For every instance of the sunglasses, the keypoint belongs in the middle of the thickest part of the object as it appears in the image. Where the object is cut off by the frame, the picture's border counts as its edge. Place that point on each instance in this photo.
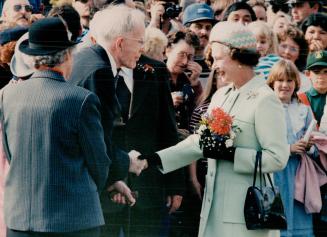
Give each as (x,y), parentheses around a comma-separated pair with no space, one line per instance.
(82,1)
(19,7)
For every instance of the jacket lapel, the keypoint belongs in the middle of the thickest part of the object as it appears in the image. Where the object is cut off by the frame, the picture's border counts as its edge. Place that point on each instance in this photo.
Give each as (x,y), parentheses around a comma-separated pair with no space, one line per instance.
(140,90)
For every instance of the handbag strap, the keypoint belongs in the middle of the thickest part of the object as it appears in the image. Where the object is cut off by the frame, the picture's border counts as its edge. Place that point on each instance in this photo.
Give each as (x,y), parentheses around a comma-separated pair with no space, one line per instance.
(271,183)
(257,163)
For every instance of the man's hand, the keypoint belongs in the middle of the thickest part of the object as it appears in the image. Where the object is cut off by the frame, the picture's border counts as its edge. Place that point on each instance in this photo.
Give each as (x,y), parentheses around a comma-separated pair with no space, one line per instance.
(174,202)
(36,17)
(196,188)
(120,193)
(135,165)
(196,70)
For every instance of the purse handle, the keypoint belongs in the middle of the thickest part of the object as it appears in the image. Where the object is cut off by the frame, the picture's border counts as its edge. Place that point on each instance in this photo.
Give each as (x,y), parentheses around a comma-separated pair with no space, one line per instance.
(258,162)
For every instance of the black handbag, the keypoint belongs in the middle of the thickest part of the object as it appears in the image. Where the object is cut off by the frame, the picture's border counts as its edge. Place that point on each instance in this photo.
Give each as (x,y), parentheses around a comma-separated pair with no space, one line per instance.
(263,208)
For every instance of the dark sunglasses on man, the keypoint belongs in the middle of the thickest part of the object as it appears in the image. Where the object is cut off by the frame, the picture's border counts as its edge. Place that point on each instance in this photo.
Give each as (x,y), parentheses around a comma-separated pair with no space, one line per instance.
(82,1)
(19,7)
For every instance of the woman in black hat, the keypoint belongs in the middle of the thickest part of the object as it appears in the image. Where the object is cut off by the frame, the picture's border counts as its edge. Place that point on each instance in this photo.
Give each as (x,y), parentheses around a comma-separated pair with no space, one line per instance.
(53,142)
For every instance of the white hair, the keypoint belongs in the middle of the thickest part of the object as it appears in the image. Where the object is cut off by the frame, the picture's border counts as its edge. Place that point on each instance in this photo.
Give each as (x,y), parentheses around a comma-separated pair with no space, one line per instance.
(115,21)
(10,3)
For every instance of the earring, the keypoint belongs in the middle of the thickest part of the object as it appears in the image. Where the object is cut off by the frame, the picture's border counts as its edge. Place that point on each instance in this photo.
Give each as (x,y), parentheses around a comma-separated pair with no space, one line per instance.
(240,66)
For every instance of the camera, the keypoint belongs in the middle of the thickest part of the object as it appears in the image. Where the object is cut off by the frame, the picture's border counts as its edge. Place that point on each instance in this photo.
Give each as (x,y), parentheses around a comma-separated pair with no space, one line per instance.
(280,5)
(171,10)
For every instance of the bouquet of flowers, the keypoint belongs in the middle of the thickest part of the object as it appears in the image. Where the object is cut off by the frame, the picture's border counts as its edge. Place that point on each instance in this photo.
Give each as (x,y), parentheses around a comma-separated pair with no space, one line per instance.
(217,133)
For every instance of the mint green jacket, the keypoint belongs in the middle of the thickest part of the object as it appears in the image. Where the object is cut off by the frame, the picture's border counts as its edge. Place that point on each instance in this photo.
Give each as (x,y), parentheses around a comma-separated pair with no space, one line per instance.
(260,116)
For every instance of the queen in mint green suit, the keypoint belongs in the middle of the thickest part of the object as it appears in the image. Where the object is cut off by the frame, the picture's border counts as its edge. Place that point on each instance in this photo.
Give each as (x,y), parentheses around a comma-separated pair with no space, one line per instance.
(259,114)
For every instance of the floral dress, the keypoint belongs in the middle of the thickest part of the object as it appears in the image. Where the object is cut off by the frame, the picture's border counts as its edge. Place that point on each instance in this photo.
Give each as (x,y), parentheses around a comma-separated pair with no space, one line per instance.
(299,223)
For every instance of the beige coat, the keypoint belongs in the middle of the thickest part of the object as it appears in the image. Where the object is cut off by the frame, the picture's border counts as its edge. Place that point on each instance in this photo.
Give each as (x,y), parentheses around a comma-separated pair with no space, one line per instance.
(260,115)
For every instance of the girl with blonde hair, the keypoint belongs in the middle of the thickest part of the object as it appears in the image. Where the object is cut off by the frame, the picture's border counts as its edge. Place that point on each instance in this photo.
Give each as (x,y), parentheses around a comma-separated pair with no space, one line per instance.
(266,39)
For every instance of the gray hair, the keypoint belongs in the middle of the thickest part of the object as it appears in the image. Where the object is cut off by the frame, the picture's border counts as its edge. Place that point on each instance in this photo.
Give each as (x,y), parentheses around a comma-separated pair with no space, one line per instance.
(49,60)
(115,21)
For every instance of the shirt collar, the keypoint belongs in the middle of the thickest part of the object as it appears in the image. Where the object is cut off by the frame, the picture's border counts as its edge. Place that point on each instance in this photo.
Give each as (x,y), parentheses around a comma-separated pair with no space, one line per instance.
(127,74)
(313,92)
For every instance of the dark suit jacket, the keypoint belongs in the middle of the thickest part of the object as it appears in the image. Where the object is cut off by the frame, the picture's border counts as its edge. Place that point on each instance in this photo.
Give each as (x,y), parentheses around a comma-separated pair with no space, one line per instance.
(58,162)
(151,127)
(92,70)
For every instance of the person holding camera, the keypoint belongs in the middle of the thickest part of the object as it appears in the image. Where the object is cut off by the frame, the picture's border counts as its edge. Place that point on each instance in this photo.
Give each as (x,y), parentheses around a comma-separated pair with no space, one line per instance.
(164,15)
(199,18)
(180,62)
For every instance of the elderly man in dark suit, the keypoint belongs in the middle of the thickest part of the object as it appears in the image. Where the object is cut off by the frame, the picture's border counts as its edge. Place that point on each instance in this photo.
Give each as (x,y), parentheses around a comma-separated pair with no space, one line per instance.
(54,142)
(119,31)
(141,102)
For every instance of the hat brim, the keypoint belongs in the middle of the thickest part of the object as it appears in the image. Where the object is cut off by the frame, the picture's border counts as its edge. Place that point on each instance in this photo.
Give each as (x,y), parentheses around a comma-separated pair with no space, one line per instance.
(40,51)
(213,21)
(317,64)
(18,67)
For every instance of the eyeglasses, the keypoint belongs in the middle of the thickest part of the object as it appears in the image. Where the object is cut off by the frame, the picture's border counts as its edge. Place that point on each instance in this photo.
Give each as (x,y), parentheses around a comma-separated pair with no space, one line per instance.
(140,41)
(183,55)
(19,7)
(291,48)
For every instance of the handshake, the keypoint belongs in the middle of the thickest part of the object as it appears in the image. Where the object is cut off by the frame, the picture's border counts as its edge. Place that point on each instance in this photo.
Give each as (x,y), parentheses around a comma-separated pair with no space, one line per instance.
(136,165)
(119,192)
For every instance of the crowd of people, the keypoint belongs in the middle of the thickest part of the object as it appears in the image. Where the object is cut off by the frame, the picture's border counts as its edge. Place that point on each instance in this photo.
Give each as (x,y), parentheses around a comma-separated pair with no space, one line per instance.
(101,103)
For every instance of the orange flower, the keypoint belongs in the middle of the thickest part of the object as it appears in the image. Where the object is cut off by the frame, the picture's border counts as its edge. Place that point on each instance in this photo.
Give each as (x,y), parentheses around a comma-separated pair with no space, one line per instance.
(220,122)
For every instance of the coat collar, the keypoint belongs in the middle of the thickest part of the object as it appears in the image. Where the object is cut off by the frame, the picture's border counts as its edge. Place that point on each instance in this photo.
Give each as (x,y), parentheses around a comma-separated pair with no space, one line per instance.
(48,74)
(102,53)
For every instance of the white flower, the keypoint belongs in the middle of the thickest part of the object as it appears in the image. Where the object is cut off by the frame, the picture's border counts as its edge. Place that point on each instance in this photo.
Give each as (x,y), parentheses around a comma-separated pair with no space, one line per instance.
(232,134)
(201,129)
(252,94)
(229,143)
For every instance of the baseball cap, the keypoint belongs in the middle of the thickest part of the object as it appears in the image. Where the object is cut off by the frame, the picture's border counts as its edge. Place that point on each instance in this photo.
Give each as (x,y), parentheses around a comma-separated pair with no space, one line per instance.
(198,12)
(317,59)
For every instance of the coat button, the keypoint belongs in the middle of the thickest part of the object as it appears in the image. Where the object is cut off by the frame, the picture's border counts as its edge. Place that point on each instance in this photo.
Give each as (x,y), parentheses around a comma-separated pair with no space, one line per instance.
(209,200)
(211,174)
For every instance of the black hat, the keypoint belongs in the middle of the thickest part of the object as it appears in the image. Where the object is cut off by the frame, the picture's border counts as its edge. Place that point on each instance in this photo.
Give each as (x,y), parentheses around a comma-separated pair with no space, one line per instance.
(315,19)
(12,34)
(47,36)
